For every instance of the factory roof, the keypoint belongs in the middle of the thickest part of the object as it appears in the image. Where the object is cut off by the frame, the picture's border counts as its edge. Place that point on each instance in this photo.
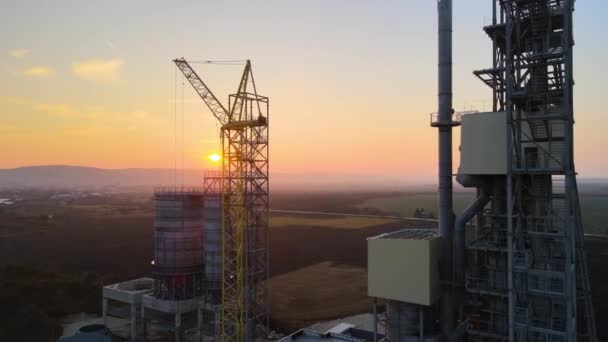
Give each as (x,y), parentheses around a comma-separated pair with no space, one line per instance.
(306,335)
(178,190)
(409,233)
(135,285)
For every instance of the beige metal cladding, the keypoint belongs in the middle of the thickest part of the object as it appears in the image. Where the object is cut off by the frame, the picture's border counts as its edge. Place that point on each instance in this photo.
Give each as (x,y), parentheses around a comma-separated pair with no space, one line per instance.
(403,269)
(483,144)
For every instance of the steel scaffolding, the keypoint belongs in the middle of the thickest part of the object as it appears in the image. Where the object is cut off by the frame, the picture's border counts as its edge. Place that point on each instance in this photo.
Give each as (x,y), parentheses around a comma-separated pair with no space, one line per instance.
(526,271)
(245,218)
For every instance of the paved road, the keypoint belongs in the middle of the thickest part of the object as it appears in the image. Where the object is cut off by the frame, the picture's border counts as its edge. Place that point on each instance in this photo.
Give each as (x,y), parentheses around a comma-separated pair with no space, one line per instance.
(345,214)
(375,216)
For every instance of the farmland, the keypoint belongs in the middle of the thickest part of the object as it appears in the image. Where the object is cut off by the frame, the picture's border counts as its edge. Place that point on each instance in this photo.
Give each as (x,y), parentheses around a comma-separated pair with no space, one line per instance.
(339,291)
(594,205)
(337,222)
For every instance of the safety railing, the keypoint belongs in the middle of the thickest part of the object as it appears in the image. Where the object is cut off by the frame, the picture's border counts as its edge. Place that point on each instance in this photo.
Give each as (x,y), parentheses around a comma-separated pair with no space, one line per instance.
(454,120)
(178,190)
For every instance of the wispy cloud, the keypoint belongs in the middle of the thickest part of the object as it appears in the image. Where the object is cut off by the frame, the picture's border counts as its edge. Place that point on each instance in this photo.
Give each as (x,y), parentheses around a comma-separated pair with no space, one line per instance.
(39,71)
(86,113)
(179,101)
(18,53)
(101,70)
(15,100)
(56,109)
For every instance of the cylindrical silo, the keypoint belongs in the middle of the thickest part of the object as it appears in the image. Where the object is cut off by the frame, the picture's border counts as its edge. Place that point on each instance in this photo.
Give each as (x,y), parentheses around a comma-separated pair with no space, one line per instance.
(212,244)
(178,234)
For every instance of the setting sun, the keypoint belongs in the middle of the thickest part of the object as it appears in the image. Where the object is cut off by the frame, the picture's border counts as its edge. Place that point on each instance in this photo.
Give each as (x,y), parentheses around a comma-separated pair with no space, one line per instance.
(214,157)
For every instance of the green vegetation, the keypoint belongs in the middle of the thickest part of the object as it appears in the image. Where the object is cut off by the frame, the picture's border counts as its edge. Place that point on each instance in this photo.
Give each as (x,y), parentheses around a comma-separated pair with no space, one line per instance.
(32,302)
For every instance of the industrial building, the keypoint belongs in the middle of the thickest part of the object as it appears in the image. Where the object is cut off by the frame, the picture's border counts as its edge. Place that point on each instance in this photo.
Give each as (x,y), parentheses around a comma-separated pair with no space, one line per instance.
(408,295)
(512,266)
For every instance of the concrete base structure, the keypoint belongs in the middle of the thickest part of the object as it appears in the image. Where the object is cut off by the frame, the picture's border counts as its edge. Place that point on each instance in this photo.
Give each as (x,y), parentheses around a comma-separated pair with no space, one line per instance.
(176,316)
(209,322)
(123,300)
(133,303)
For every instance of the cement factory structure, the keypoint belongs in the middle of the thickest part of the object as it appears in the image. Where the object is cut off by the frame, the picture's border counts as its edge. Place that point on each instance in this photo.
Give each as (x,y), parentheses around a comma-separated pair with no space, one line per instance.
(510,267)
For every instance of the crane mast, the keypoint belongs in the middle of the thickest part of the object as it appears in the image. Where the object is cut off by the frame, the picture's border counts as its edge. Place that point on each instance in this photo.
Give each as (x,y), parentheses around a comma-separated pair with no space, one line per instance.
(244,188)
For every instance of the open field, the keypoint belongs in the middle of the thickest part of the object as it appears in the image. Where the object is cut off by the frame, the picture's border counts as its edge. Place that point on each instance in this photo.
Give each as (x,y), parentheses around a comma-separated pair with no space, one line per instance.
(406,204)
(339,291)
(594,206)
(283,220)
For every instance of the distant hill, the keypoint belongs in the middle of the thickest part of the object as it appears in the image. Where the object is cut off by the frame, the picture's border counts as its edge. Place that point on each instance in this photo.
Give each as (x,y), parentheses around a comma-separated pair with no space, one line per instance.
(79,176)
(64,176)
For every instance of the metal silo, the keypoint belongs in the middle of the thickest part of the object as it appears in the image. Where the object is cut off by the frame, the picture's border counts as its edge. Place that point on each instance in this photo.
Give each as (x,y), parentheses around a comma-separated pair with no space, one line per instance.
(212,244)
(178,261)
(212,229)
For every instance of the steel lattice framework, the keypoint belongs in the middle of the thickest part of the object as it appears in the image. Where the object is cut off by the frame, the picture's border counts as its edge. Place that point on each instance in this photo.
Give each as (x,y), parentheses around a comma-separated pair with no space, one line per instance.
(245,219)
(244,189)
(526,274)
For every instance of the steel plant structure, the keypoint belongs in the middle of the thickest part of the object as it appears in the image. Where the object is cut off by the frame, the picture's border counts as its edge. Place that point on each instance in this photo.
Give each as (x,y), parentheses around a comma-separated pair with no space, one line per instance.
(524,264)
(244,190)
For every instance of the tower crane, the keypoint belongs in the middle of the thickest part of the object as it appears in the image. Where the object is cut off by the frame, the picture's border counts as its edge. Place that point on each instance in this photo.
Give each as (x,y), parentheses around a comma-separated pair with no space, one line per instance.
(244,188)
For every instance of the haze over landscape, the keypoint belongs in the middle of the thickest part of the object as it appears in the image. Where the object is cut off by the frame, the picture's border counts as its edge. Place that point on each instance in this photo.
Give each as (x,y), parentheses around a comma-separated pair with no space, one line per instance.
(61,176)
(77,91)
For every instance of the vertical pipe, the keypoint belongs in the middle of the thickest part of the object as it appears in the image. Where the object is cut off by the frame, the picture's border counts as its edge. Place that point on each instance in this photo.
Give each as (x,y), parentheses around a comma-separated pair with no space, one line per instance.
(375,319)
(178,327)
(509,152)
(421,323)
(446,215)
(568,162)
(200,324)
(105,311)
(133,322)
(143,323)
(267,288)
(494,58)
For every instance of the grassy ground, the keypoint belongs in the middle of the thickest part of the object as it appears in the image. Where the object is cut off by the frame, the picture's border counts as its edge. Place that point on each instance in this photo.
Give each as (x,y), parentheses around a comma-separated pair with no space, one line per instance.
(338,222)
(406,204)
(323,291)
(595,215)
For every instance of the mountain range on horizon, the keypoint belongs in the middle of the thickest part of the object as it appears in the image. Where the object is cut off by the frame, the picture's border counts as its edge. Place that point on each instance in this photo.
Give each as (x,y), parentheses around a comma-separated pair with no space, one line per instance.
(70,176)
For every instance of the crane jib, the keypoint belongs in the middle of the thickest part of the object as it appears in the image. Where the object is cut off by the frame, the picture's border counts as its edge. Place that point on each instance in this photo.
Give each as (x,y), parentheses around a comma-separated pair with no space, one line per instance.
(216,107)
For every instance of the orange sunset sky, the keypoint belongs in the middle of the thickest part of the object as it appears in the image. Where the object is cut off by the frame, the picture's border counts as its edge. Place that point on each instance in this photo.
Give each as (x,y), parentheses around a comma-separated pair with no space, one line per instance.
(351,83)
